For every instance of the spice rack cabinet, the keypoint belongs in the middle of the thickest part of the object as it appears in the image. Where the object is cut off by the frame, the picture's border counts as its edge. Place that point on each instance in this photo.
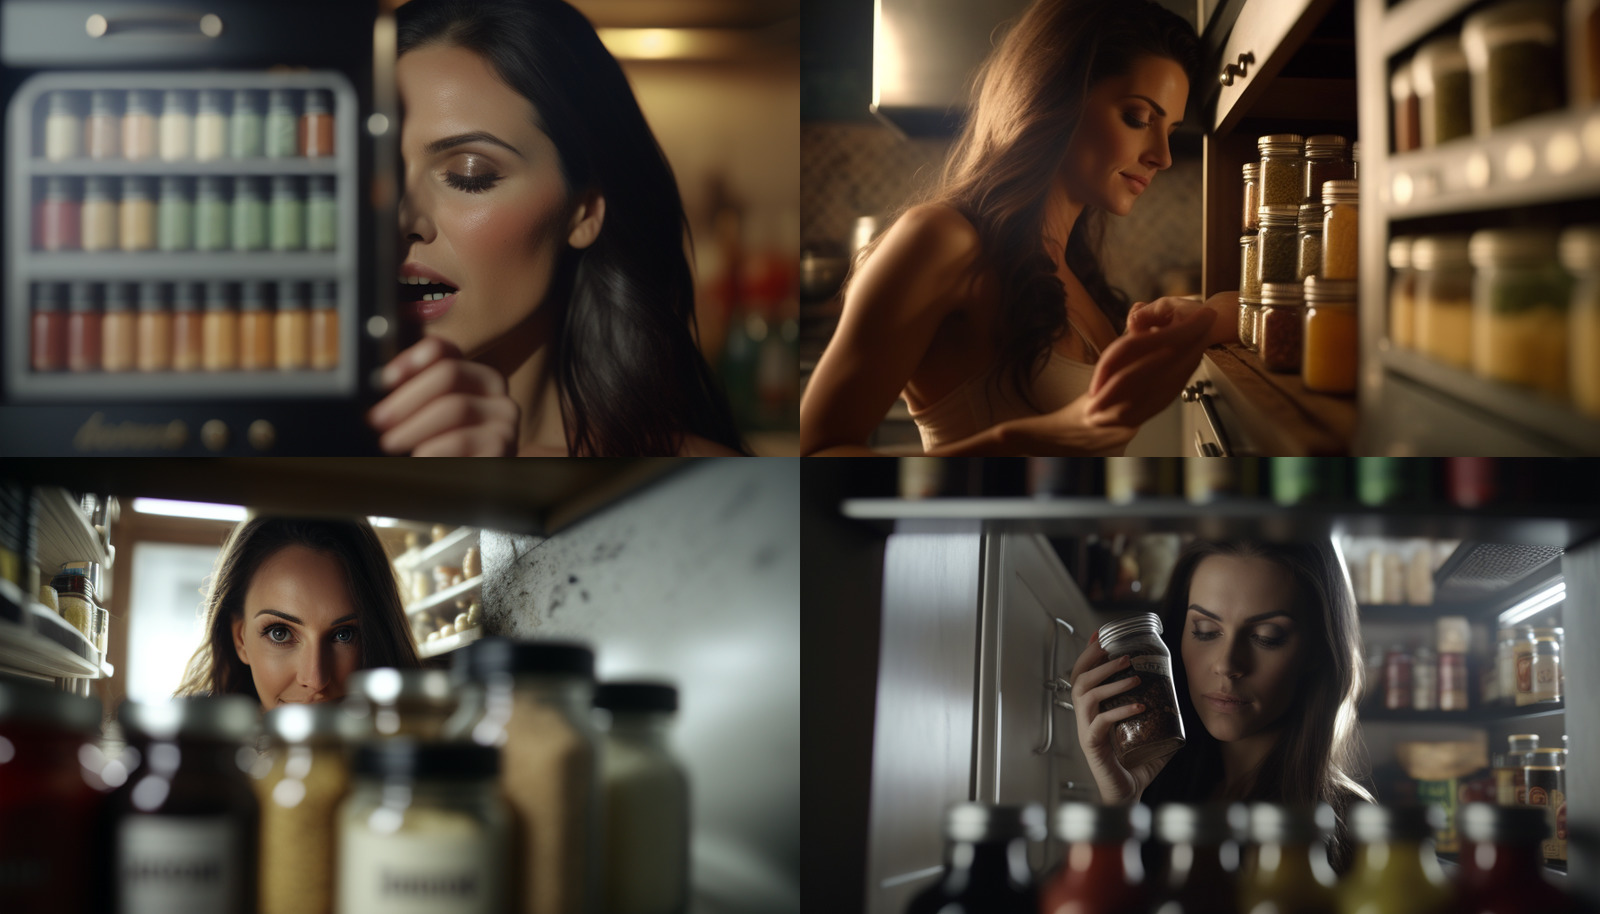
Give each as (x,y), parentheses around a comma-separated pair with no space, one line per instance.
(35,641)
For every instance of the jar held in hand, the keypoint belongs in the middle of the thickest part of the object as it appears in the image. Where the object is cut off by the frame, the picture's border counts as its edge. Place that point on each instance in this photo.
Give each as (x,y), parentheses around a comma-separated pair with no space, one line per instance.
(1157,731)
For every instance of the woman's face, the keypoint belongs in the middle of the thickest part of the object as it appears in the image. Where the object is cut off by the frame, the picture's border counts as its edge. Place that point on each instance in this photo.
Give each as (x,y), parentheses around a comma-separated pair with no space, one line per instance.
(485,212)
(300,635)
(1121,142)
(1242,644)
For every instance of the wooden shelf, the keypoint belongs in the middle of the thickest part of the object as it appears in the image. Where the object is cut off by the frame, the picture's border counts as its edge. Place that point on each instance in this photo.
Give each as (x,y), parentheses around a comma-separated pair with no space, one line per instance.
(1281,416)
(448,551)
(447,596)
(445,645)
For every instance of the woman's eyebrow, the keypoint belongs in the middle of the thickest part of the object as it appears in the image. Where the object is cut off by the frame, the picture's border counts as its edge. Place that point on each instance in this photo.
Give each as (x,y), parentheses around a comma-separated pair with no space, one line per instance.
(1195,607)
(461,139)
(284,615)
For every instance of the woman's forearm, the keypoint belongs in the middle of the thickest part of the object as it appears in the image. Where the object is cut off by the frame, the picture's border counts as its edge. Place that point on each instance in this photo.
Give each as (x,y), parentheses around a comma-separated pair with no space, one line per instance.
(1226,327)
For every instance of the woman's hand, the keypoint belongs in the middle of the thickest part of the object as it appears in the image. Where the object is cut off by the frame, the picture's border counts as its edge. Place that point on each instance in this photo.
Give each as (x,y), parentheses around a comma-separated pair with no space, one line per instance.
(1164,311)
(1140,373)
(1118,785)
(441,404)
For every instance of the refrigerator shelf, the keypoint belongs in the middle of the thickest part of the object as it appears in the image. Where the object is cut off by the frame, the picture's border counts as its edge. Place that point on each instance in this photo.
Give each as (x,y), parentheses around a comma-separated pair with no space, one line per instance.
(1471,716)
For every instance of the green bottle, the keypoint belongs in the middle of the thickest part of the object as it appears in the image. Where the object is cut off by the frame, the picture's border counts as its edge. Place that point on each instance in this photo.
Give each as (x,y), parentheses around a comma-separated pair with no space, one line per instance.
(1395,870)
(249,215)
(288,215)
(211,217)
(174,216)
(282,127)
(322,215)
(245,140)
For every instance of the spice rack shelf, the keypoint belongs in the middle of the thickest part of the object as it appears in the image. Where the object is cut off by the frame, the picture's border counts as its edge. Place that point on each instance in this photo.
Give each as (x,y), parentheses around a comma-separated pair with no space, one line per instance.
(65,535)
(453,642)
(1471,716)
(447,596)
(35,641)
(196,266)
(155,167)
(448,551)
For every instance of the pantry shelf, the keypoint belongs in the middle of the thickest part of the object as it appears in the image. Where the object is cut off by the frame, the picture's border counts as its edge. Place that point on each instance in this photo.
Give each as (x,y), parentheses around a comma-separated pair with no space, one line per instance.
(450,643)
(1558,427)
(1472,716)
(35,641)
(1275,411)
(65,535)
(447,596)
(448,551)
(185,168)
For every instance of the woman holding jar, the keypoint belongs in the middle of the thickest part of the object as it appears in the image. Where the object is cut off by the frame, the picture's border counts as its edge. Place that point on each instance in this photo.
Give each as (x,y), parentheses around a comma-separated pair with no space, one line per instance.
(1265,648)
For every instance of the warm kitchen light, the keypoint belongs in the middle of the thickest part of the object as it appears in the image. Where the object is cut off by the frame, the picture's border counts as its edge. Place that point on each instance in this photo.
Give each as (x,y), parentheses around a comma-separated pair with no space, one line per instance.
(674,44)
(1544,599)
(198,509)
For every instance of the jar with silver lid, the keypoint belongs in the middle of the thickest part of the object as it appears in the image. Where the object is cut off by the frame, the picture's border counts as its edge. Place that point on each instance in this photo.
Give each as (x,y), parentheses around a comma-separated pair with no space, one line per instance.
(1277,243)
(1520,298)
(1282,327)
(1249,321)
(1157,731)
(1249,265)
(1252,195)
(1283,169)
(1444,90)
(1327,159)
(1308,242)
(1514,50)
(412,703)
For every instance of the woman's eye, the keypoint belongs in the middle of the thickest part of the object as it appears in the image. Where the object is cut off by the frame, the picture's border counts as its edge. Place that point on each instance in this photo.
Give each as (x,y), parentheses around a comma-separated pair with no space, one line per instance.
(277,634)
(345,635)
(1204,635)
(472,184)
(1133,121)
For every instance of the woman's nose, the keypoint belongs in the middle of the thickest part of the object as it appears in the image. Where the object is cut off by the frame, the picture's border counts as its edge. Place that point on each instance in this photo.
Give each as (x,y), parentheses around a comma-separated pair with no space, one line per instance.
(1159,155)
(415,225)
(314,671)
(1232,663)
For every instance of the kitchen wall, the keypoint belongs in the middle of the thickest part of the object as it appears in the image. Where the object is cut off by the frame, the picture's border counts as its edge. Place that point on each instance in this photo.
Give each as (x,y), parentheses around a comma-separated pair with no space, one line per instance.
(695,579)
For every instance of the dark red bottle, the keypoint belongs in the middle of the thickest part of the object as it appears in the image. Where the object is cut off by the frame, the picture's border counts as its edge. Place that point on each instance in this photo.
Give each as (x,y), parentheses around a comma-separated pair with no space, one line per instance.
(1202,859)
(1502,867)
(986,862)
(1101,873)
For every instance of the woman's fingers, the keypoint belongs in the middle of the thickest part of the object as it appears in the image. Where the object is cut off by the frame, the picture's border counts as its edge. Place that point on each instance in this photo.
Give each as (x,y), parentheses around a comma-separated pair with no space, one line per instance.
(1181,333)
(1100,727)
(1139,381)
(439,377)
(1109,690)
(413,360)
(480,441)
(481,426)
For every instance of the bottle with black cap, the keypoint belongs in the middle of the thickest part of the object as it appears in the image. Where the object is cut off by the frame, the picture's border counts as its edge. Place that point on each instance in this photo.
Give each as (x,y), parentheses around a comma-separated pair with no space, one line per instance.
(48,799)
(1502,865)
(1395,866)
(185,824)
(423,830)
(1202,860)
(534,699)
(646,801)
(1287,867)
(390,702)
(1102,872)
(985,862)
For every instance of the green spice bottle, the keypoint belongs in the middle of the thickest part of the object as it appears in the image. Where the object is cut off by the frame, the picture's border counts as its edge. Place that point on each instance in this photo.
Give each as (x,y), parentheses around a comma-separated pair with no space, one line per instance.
(322,215)
(1276,243)
(245,128)
(1296,480)
(288,215)
(282,125)
(1288,869)
(1283,169)
(174,216)
(211,216)
(249,215)
(1308,246)
(1395,869)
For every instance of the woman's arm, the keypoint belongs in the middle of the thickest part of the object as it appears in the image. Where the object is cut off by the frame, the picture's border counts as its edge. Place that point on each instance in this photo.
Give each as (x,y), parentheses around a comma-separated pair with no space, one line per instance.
(1162,311)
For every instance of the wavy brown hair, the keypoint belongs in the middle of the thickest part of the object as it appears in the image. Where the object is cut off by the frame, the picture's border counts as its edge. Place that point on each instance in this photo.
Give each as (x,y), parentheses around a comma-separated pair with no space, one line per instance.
(1318,756)
(215,668)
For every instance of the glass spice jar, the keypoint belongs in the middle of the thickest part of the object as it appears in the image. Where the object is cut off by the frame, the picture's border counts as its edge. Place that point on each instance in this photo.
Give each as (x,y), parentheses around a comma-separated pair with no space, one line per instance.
(1546,668)
(1407,118)
(1398,688)
(1522,653)
(1444,90)
(1424,680)
(1514,52)
(1327,159)
(1332,346)
(1580,254)
(1281,331)
(1250,265)
(1102,872)
(1402,294)
(1157,731)
(402,703)
(1276,243)
(1519,747)
(1340,223)
(1249,321)
(1308,243)
(1444,298)
(305,776)
(1505,667)
(1519,309)
(1283,169)
(1583,51)
(1545,774)
(1252,195)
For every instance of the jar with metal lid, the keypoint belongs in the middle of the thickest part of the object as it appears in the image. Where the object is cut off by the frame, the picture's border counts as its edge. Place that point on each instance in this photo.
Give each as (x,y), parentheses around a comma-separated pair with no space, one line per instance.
(533,699)
(1520,298)
(1290,870)
(1519,747)
(1514,52)
(1444,298)
(185,825)
(1252,195)
(1327,159)
(1282,325)
(306,776)
(1102,874)
(1332,346)
(77,586)
(1157,731)
(50,797)
(410,703)
(1546,670)
(1580,254)
(1308,243)
(1547,787)
(986,861)
(1340,224)
(1522,652)
(1425,680)
(646,801)
(1503,869)
(1283,169)
(424,830)
(1398,689)
(1402,294)
(1407,118)
(1249,321)
(1444,90)
(1276,242)
(1249,265)
(1505,788)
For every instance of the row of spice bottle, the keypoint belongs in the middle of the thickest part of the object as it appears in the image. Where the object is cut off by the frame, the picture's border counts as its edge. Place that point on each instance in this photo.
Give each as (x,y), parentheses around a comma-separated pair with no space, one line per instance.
(210,213)
(1220,859)
(495,792)
(1294,170)
(255,325)
(1518,306)
(1524,669)
(1505,64)
(179,125)
(75,594)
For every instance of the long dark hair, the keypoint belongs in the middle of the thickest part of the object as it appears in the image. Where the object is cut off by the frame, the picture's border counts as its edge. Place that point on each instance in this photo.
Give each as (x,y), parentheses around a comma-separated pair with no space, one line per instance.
(215,668)
(1318,755)
(632,380)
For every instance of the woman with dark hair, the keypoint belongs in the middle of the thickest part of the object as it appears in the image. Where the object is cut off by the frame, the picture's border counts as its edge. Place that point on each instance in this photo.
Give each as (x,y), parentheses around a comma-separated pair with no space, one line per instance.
(544,248)
(985,306)
(295,606)
(1266,657)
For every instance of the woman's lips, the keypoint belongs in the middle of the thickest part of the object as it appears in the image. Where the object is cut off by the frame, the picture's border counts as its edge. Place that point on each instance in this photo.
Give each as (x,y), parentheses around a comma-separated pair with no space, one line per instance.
(432,310)
(1225,704)
(1137,185)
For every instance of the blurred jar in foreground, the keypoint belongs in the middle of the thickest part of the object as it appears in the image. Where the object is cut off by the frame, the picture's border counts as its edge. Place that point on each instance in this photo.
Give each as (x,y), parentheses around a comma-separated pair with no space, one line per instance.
(1203,861)
(1287,869)
(306,778)
(986,862)
(1502,869)
(1519,309)
(1395,867)
(1444,298)
(1102,873)
(646,797)
(409,703)
(1580,254)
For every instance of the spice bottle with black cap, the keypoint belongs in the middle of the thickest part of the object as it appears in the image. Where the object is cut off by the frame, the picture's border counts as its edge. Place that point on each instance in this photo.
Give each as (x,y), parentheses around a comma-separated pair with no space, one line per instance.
(985,862)
(411,703)
(1395,867)
(1288,869)
(424,831)
(533,699)
(1102,873)
(184,826)
(646,801)
(1202,859)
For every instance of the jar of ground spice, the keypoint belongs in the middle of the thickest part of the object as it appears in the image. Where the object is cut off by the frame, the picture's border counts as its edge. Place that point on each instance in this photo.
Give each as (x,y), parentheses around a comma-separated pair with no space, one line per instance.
(1283,169)
(1580,254)
(1407,118)
(1444,90)
(1282,325)
(1327,159)
(1514,52)
(406,703)
(1444,298)
(1519,312)
(1277,243)
(1402,294)
(1252,195)
(307,777)
(1308,242)
(1157,731)
(1332,346)
(1249,264)
(1340,222)
(1249,320)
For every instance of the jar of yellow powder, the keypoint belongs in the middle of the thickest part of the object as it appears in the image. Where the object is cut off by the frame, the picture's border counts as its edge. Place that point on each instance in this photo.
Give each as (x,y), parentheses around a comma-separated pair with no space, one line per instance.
(1331,344)
(1402,294)
(1444,298)
(1519,309)
(1340,219)
(307,776)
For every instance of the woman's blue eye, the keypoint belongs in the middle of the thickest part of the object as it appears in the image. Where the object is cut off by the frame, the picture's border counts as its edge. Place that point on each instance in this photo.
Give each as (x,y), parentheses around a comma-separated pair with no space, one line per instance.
(472,184)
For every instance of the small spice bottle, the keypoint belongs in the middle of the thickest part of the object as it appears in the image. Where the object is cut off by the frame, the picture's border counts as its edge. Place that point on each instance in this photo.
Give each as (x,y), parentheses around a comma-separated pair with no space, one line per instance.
(1202,863)
(1282,325)
(255,326)
(316,125)
(1514,52)
(63,131)
(292,327)
(1402,294)
(77,594)
(210,127)
(1424,680)
(1520,299)
(176,127)
(155,327)
(424,821)
(1283,169)
(249,215)
(245,127)
(1340,222)
(1444,298)
(1327,159)
(99,215)
(646,791)
(986,865)
(102,131)
(1398,687)
(1546,668)
(1505,790)
(1444,90)
(1276,243)
(1157,731)
(1522,655)
(1502,867)
(288,215)
(119,332)
(322,215)
(1308,242)
(324,326)
(212,217)
(139,131)
(83,328)
(1520,747)
(307,777)
(1249,321)
(49,326)
(188,318)
(1250,264)
(282,125)
(1547,787)
(221,327)
(1102,872)
(175,216)
(1252,195)
(1407,118)
(1580,254)
(58,217)
(1395,858)
(414,704)
(136,216)
(1332,344)
(1505,667)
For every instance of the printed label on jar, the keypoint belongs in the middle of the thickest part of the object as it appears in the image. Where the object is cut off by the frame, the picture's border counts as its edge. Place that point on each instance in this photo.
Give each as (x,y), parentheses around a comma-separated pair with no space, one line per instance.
(173,865)
(418,874)
(1525,673)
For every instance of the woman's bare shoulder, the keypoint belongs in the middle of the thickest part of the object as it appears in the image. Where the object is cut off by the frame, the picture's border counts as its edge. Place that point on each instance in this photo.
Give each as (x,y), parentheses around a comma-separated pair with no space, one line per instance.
(935,232)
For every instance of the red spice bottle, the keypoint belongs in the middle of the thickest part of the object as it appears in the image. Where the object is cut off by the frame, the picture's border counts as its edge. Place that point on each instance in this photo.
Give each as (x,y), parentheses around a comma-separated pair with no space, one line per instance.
(83,328)
(49,326)
(1502,866)
(57,218)
(1102,872)
(1203,857)
(316,125)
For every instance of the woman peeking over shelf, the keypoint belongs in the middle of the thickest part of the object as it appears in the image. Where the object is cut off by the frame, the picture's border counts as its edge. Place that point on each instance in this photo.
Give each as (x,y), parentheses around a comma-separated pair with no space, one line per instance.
(295,606)
(985,305)
(543,245)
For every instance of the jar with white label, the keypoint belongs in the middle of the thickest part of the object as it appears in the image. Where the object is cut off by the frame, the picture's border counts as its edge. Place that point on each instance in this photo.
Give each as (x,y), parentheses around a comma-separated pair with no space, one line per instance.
(185,823)
(411,703)
(424,831)
(1157,731)
(646,791)
(1546,666)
